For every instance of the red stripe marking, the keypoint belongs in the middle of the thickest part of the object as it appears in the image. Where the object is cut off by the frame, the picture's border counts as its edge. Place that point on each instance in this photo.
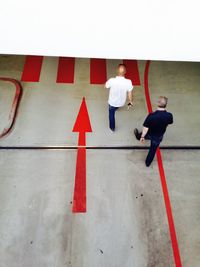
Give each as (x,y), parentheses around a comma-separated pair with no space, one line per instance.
(98,73)
(65,72)
(79,201)
(32,69)
(132,71)
(172,229)
(146,87)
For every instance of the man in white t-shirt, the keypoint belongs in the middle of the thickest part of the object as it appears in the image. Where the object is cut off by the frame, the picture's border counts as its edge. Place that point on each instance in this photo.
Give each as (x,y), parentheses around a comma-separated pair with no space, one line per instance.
(120,88)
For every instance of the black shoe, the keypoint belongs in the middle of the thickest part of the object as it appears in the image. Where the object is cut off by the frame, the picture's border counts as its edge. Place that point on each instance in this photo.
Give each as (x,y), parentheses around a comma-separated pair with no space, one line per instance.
(136,133)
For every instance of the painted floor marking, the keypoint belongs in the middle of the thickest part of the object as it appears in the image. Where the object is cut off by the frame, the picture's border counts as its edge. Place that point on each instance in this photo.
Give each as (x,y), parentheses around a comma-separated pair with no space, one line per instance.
(175,247)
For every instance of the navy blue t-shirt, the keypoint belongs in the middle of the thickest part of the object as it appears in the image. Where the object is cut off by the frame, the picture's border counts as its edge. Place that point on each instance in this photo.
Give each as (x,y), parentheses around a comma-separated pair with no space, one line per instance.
(157,122)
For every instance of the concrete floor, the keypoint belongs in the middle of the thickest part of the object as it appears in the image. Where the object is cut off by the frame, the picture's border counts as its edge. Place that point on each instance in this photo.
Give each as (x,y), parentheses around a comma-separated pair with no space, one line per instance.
(180,81)
(125,224)
(58,105)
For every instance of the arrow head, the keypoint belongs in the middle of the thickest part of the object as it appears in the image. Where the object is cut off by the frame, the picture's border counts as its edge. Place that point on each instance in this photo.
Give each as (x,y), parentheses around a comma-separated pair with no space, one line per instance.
(82,123)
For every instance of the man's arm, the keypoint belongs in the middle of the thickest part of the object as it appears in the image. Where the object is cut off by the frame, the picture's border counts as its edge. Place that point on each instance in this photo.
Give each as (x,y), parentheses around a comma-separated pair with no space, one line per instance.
(146,125)
(171,119)
(108,84)
(144,132)
(130,97)
(130,94)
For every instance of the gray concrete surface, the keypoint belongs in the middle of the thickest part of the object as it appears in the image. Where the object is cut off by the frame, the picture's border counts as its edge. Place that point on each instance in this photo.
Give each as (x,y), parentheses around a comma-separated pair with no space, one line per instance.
(183,178)
(126,223)
(7,94)
(180,82)
(48,110)
(11,66)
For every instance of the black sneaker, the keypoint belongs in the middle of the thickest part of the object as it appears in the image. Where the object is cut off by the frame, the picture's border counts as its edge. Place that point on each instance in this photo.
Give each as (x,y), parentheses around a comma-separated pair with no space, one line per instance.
(136,133)
(147,164)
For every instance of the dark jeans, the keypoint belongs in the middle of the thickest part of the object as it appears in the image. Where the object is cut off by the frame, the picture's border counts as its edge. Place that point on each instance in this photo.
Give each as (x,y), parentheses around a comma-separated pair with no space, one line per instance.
(112,117)
(155,142)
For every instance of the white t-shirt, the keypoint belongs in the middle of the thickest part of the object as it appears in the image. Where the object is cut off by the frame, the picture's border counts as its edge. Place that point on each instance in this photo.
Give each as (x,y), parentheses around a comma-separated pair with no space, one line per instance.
(119,86)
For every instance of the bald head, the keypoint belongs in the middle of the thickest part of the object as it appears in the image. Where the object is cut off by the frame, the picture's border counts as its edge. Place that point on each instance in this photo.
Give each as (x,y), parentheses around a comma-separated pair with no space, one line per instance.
(162,102)
(121,70)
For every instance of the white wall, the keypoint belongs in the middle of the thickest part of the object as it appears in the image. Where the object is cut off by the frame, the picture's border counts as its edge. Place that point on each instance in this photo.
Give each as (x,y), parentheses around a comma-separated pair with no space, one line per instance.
(141,29)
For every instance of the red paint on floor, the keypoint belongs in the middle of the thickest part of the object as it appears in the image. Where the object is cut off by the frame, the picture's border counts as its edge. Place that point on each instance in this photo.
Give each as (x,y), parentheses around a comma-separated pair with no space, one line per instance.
(175,247)
(98,72)
(14,107)
(132,71)
(79,199)
(32,69)
(65,72)
(82,125)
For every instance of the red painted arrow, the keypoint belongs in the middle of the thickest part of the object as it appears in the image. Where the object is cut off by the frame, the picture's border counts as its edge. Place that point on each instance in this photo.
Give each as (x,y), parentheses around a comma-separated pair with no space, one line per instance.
(82,125)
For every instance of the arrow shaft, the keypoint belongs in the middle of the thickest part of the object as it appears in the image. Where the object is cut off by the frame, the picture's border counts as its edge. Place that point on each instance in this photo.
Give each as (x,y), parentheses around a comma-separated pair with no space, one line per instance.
(79,201)
(81,139)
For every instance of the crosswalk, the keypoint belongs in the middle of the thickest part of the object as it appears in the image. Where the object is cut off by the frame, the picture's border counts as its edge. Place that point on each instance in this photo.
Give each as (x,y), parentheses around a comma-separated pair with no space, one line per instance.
(66,70)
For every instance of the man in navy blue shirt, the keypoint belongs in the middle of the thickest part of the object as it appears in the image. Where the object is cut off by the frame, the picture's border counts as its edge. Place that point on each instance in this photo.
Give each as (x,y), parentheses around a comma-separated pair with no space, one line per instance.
(154,128)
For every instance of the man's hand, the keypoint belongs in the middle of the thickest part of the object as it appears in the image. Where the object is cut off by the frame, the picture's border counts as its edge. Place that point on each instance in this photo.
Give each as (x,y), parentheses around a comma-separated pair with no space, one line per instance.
(144,132)
(142,140)
(130,104)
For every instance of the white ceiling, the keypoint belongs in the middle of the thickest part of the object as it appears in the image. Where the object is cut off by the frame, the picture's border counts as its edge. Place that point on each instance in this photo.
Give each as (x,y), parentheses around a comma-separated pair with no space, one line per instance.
(142,29)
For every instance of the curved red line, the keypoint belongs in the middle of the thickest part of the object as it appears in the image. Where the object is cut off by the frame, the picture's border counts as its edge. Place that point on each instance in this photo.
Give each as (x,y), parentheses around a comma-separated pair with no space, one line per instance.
(172,229)
(146,87)
(15,105)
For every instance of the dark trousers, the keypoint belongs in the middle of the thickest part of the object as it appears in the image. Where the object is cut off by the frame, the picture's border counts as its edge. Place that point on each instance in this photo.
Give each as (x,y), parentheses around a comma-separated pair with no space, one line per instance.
(112,117)
(155,142)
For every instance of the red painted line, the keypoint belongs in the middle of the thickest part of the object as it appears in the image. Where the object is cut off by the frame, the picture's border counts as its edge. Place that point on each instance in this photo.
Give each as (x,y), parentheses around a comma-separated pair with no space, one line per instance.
(98,72)
(65,72)
(82,125)
(172,230)
(32,69)
(79,200)
(132,71)
(14,108)
(146,87)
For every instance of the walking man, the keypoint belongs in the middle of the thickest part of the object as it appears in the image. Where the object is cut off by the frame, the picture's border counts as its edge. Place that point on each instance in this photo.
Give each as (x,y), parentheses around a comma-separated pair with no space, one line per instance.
(119,87)
(154,128)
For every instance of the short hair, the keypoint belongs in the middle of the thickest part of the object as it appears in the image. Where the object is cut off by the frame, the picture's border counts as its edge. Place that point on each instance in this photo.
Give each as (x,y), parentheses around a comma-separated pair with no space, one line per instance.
(162,101)
(122,65)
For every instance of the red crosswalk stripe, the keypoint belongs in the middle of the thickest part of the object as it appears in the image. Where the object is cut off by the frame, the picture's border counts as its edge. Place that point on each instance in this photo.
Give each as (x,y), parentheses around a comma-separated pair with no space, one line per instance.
(32,69)
(132,71)
(65,72)
(98,73)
